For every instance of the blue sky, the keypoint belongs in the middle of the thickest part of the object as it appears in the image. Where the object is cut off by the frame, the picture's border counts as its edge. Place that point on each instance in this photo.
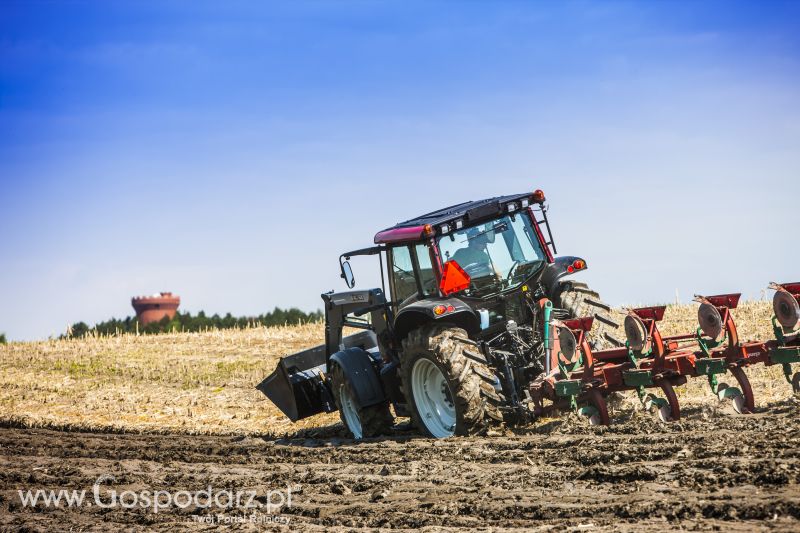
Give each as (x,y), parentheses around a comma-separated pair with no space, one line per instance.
(229,151)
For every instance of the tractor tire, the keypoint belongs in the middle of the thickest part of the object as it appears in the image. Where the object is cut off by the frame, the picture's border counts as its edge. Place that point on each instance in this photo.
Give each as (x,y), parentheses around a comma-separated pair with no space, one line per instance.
(448,385)
(359,422)
(580,301)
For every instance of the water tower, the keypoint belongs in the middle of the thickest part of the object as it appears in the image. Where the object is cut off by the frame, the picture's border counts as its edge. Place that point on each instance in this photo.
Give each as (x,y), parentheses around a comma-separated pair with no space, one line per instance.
(154,308)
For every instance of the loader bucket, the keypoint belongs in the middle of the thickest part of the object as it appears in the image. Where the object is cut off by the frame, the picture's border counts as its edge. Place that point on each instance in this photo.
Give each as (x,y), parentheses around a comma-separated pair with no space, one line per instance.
(298,387)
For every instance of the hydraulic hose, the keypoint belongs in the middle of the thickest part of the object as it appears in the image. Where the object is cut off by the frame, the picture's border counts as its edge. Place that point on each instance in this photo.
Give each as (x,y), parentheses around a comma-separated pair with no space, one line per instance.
(548,309)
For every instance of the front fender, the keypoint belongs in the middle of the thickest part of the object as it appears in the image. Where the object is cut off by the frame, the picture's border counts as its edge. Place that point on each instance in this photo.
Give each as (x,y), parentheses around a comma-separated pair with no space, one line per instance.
(360,371)
(557,270)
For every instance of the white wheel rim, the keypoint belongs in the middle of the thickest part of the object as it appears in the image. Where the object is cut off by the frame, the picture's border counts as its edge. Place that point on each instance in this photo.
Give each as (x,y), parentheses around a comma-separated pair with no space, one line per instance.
(350,412)
(433,399)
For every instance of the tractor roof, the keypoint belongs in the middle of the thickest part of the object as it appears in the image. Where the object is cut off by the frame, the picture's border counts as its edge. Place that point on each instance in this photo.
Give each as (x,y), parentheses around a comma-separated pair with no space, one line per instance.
(467,212)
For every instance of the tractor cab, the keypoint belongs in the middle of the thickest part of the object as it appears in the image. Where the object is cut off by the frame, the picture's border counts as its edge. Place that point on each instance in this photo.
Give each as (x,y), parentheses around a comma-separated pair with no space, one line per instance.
(467,263)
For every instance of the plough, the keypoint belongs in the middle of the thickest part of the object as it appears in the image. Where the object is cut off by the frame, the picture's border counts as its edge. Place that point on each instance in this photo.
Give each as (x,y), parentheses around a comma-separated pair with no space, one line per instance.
(649,363)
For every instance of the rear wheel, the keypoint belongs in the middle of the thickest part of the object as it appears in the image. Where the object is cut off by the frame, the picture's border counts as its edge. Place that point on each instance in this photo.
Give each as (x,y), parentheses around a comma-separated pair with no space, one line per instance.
(360,422)
(581,301)
(449,386)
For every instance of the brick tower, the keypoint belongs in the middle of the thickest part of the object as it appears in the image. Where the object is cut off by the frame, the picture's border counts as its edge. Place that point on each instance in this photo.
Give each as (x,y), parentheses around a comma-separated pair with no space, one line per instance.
(154,308)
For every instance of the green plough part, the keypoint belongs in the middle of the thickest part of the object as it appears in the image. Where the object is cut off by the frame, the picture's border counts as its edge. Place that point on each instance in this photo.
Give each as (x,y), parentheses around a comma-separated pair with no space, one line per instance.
(568,387)
(708,366)
(634,357)
(650,400)
(728,393)
(784,355)
(707,345)
(780,334)
(638,378)
(711,366)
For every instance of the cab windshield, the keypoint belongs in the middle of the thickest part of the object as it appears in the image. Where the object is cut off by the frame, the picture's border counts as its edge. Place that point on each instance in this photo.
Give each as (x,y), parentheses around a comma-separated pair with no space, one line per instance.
(497,255)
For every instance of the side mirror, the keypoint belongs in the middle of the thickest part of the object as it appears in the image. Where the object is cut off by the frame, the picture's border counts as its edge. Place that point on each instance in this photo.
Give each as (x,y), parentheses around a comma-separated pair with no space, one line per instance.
(347,274)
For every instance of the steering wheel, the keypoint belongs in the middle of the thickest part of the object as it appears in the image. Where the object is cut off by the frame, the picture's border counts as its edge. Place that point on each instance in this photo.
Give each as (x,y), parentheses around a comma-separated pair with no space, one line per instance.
(473,267)
(511,270)
(477,267)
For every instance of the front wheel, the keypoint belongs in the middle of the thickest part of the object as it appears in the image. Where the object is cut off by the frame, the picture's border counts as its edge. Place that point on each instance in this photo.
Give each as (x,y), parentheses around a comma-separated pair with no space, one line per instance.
(449,386)
(360,422)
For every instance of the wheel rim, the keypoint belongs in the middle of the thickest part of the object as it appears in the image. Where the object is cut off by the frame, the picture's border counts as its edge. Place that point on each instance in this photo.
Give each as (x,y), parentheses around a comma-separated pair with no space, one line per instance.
(433,399)
(349,411)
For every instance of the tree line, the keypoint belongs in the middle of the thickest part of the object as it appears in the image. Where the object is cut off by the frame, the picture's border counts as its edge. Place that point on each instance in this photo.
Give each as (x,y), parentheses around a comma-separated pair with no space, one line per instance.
(199,322)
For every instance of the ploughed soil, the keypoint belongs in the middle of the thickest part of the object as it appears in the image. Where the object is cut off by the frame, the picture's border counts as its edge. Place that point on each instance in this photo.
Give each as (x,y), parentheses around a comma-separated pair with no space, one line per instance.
(711,471)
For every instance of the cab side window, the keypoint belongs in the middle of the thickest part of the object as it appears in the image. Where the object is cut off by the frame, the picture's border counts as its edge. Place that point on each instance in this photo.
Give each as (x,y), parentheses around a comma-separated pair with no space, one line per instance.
(404,284)
(426,276)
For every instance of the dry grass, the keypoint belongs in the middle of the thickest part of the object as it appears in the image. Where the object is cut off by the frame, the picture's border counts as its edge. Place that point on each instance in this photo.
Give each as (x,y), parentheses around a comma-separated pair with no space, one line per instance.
(196,382)
(204,382)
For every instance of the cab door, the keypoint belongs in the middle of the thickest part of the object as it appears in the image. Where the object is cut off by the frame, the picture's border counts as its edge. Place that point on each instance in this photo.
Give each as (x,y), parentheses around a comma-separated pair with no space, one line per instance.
(412,276)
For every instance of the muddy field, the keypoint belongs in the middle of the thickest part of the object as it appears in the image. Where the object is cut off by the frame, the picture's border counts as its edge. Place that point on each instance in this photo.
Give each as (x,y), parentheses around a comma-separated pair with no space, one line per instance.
(712,471)
(179,413)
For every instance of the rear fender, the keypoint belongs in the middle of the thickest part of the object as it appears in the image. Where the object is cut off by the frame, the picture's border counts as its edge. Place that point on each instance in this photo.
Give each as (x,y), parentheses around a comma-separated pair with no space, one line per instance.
(556,270)
(360,369)
(419,313)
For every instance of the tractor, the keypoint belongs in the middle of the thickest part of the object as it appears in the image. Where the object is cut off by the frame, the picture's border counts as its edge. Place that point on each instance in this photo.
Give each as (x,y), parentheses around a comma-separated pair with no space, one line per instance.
(463,334)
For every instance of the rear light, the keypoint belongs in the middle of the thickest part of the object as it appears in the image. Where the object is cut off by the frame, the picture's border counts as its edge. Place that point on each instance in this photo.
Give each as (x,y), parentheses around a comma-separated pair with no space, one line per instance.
(524,203)
(444,228)
(512,207)
(442,309)
(578,264)
(538,196)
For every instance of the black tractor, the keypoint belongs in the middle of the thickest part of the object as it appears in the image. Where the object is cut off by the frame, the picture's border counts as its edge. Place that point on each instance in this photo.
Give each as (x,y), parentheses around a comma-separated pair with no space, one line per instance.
(464,333)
